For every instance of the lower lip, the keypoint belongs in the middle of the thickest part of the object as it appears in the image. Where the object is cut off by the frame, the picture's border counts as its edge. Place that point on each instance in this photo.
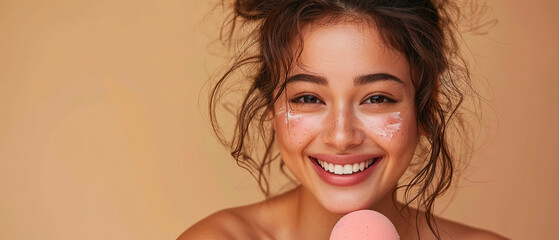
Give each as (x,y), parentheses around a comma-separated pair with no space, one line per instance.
(345,179)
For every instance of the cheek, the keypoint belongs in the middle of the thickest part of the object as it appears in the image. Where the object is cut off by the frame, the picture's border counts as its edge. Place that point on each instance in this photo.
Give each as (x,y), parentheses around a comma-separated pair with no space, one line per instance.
(396,132)
(296,129)
(385,126)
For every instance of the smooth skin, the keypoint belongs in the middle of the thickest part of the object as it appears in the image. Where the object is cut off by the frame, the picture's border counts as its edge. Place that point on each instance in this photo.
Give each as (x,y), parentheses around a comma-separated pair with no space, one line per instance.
(332,111)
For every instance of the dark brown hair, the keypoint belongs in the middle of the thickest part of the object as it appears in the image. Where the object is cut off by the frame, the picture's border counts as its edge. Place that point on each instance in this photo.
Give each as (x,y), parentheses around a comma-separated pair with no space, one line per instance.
(424,30)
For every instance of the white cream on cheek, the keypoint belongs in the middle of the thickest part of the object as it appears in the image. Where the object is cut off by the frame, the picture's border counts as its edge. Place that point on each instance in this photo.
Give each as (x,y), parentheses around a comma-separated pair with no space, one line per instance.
(289,115)
(299,126)
(383,124)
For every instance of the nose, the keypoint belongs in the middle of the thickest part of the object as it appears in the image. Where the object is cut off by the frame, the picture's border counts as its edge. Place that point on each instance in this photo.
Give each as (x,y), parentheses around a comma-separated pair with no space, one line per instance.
(342,130)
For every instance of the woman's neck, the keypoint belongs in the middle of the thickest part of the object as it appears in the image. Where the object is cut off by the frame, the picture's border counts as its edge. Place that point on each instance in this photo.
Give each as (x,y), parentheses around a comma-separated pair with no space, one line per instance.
(310,220)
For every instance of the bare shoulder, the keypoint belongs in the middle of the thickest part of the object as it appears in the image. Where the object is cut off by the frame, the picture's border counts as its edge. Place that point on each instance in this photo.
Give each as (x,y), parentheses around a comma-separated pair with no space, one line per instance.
(246,222)
(225,224)
(456,230)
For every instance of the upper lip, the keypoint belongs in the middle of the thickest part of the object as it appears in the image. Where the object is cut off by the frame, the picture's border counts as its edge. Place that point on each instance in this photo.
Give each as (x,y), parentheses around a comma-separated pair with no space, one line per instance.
(344,159)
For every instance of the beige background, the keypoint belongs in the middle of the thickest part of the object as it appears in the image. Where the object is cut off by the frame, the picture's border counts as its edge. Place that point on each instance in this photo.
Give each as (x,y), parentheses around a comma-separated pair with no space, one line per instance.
(102,135)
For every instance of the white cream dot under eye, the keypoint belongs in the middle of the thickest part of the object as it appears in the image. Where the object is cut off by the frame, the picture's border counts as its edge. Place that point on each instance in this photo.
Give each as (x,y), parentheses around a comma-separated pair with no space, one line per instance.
(384,124)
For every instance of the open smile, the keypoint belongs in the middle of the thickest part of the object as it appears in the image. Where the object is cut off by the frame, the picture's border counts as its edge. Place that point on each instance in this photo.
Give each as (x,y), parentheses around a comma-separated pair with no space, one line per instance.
(345,169)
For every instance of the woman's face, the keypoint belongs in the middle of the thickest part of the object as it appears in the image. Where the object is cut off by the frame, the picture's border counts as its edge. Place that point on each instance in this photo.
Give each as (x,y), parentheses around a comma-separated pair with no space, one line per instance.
(346,125)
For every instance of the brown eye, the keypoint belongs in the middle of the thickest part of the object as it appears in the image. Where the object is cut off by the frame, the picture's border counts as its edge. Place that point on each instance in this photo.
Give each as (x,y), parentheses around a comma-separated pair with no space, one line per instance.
(307,99)
(376,99)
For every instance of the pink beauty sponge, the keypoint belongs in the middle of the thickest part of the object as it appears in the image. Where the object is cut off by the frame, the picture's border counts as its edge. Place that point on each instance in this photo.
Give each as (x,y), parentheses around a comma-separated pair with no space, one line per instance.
(364,224)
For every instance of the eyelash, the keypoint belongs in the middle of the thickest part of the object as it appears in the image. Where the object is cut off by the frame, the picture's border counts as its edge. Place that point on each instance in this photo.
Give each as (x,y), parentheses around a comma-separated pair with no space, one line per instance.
(312,99)
(301,99)
(378,97)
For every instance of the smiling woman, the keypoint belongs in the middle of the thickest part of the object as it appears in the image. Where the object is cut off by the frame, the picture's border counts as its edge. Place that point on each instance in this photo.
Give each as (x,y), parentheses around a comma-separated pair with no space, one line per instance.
(365,87)
(348,93)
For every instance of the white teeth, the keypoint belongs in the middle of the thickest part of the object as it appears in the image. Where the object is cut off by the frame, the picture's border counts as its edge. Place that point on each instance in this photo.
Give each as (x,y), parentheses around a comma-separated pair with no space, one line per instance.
(348,169)
(338,169)
(345,169)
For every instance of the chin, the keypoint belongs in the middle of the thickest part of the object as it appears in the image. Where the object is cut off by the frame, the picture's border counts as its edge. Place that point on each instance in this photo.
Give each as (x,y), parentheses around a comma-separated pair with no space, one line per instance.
(344,202)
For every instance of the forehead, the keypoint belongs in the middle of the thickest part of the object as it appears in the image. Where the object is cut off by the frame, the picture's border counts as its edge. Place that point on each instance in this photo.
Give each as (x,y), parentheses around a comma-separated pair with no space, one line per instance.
(347,47)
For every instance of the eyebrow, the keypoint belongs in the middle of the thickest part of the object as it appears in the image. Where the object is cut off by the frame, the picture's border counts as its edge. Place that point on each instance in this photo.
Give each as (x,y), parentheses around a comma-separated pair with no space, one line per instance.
(371,78)
(308,78)
(358,81)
